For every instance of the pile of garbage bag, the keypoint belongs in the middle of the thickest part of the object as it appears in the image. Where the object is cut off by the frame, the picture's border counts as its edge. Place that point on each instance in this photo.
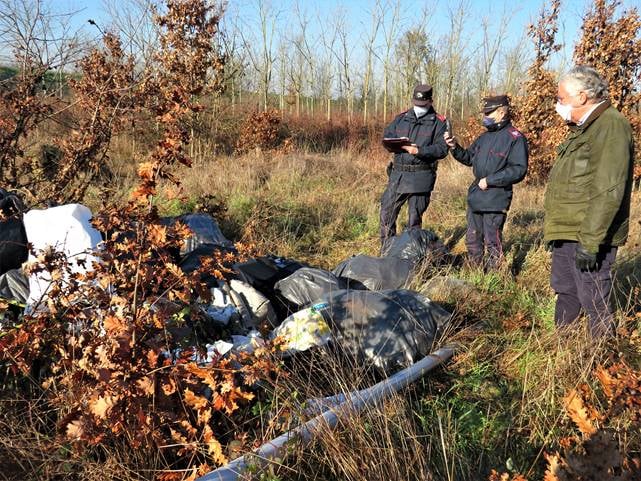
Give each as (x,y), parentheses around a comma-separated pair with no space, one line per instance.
(362,307)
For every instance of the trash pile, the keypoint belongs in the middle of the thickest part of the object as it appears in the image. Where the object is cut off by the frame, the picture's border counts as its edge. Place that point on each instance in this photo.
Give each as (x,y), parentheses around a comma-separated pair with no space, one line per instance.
(362,306)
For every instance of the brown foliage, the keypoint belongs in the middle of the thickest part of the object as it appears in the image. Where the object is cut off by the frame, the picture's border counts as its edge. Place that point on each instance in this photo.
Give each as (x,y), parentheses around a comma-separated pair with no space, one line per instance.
(105,338)
(597,454)
(534,110)
(613,47)
(260,131)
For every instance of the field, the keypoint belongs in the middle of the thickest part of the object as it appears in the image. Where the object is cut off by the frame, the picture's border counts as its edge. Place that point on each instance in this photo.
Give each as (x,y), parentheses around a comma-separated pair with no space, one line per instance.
(499,403)
(271,122)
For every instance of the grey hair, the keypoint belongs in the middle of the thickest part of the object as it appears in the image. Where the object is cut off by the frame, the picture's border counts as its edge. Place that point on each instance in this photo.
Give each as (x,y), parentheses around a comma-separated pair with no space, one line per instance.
(586,79)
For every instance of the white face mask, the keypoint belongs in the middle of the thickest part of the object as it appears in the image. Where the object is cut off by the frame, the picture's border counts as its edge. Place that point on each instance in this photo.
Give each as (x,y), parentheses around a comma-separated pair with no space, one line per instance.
(420,111)
(565,111)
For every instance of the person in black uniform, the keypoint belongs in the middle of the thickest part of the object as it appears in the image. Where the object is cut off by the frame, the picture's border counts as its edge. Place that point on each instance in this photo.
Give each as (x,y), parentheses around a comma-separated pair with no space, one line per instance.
(413,171)
(499,159)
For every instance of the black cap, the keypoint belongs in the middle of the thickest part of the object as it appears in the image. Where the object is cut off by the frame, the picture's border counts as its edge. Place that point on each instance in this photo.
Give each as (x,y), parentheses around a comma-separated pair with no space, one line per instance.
(422,95)
(494,102)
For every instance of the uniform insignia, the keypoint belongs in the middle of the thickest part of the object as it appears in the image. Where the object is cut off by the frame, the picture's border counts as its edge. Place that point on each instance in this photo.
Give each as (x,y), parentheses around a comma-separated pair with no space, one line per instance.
(440,117)
(515,133)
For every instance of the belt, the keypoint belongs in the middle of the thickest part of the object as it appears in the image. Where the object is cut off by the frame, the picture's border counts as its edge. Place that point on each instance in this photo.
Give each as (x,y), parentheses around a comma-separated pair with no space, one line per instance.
(412,167)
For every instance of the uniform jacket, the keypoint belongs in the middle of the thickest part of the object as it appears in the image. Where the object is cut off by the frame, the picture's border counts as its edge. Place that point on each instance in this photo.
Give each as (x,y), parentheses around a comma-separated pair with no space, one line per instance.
(427,133)
(588,193)
(501,156)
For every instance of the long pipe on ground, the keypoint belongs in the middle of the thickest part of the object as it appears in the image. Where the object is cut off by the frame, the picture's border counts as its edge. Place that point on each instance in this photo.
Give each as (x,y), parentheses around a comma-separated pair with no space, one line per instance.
(354,402)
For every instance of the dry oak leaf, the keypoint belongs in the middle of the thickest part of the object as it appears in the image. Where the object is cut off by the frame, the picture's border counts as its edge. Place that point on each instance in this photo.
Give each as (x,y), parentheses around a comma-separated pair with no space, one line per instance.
(102,406)
(193,400)
(214,447)
(554,467)
(75,429)
(578,413)
(607,381)
(146,385)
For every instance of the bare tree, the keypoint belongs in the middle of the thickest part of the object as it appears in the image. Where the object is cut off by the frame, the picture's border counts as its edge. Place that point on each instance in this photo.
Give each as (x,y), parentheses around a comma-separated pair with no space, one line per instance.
(370,41)
(261,51)
(455,56)
(133,22)
(390,13)
(490,48)
(342,52)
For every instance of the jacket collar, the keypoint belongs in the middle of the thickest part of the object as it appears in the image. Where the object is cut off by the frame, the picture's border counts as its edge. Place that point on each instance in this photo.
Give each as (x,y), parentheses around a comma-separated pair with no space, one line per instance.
(499,125)
(592,117)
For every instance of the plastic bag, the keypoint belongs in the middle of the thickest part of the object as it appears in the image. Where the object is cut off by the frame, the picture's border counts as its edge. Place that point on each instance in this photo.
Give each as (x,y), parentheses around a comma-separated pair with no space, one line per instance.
(65,228)
(304,329)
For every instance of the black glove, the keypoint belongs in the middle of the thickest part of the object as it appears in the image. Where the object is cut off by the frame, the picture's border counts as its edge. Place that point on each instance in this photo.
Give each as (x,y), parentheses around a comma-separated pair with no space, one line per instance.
(585,261)
(389,168)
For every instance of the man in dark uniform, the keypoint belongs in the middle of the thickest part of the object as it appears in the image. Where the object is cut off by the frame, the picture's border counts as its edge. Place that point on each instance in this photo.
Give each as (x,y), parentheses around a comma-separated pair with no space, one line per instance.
(498,159)
(413,172)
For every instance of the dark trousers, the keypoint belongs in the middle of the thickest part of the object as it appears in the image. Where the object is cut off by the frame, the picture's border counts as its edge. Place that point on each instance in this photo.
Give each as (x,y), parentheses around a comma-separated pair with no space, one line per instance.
(391,204)
(587,290)
(485,236)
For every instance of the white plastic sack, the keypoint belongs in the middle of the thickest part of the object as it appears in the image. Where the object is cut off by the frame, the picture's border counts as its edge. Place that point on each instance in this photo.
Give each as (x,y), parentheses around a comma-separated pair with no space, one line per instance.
(66,228)
(260,307)
(304,329)
(220,309)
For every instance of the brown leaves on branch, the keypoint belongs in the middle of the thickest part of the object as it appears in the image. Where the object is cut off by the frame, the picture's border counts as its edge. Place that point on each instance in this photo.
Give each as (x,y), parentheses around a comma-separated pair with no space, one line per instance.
(613,46)
(534,111)
(597,454)
(114,373)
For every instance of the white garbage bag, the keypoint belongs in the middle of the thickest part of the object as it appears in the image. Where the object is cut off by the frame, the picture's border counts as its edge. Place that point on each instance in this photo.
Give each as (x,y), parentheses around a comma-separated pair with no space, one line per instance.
(304,329)
(66,228)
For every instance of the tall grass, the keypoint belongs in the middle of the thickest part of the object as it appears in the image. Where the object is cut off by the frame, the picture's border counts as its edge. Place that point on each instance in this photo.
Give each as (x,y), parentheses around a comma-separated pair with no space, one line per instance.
(498,404)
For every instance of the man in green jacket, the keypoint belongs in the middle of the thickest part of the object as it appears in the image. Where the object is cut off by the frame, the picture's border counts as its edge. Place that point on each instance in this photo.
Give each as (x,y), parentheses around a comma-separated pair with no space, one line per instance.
(587,201)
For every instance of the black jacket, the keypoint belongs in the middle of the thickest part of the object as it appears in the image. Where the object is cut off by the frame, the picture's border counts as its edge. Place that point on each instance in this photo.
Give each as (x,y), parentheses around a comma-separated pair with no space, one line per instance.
(427,133)
(501,156)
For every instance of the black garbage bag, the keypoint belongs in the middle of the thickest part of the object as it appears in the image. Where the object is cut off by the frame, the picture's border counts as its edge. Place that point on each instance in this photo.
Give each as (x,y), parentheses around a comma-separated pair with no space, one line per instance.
(374,273)
(391,329)
(264,272)
(416,245)
(13,237)
(306,286)
(14,284)
(205,231)
(192,260)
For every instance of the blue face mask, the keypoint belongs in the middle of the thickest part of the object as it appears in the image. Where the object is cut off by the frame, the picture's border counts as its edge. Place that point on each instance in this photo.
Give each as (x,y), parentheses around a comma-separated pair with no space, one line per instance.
(488,121)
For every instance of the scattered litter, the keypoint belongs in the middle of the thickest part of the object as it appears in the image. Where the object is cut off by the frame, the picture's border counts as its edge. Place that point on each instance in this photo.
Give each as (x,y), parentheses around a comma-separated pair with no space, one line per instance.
(14,284)
(13,238)
(249,343)
(304,329)
(205,231)
(391,329)
(259,307)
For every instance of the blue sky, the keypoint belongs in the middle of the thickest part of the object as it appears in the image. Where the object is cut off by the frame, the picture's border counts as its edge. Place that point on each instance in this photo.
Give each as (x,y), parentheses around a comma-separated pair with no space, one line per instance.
(523,11)
(356,15)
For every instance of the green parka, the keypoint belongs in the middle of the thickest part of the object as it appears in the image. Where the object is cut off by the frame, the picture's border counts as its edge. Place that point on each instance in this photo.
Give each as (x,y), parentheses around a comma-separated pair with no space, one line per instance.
(588,193)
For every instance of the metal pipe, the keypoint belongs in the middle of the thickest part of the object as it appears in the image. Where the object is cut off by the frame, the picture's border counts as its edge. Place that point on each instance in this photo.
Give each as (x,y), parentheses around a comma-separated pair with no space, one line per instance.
(356,401)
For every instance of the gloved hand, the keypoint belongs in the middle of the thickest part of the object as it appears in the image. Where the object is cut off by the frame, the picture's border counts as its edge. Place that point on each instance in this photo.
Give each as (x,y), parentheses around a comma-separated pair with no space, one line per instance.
(585,261)
(389,168)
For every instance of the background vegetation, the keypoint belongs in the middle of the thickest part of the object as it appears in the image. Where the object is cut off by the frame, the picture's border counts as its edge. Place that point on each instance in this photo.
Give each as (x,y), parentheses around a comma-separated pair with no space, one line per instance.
(163,120)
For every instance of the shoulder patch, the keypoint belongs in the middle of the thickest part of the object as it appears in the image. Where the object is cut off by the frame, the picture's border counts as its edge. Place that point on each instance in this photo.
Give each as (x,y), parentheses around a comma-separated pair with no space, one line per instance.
(441,117)
(514,133)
